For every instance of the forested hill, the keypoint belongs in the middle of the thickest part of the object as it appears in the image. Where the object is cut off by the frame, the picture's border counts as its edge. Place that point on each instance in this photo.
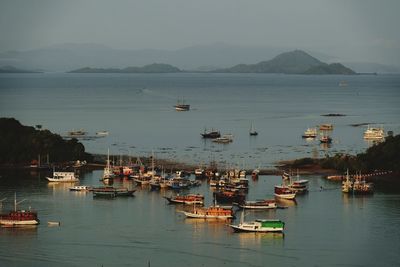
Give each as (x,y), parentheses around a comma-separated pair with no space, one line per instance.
(295,62)
(21,144)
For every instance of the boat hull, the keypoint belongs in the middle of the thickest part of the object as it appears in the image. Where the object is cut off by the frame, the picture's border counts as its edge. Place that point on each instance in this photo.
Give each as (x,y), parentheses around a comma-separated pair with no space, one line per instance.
(206,216)
(18,222)
(239,228)
(286,196)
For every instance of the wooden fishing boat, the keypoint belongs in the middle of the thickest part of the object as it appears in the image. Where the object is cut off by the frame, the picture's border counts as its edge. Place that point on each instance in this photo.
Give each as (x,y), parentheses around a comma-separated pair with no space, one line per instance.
(262,204)
(283,191)
(19,217)
(212,212)
(189,199)
(80,188)
(229,196)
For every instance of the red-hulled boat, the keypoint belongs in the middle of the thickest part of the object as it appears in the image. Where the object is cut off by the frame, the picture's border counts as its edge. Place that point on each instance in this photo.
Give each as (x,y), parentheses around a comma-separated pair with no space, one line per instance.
(229,196)
(19,217)
(282,191)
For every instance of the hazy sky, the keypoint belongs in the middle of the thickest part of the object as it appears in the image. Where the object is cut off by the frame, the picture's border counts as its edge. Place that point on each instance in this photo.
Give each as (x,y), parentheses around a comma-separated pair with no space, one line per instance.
(363,30)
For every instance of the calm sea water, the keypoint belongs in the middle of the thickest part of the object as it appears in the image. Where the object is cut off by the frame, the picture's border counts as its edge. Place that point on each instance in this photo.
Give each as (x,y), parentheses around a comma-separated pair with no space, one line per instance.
(324,227)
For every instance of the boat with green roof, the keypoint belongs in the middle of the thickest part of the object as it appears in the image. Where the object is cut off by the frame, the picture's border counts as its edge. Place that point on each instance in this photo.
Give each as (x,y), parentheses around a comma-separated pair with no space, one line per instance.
(259,225)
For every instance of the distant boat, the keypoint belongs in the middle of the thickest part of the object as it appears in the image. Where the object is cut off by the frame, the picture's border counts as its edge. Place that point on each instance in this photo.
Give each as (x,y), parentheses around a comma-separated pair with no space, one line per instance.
(66,177)
(310,133)
(326,127)
(374,133)
(343,84)
(258,204)
(78,133)
(325,139)
(102,133)
(181,106)
(211,134)
(253,131)
(80,188)
(283,191)
(224,139)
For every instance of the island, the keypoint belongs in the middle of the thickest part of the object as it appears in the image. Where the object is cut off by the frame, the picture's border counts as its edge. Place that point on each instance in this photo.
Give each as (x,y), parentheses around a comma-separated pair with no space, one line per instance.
(294,62)
(152,68)
(11,69)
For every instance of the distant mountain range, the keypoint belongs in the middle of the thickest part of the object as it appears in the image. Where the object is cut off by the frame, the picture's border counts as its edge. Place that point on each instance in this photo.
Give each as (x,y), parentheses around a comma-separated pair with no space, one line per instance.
(295,62)
(66,57)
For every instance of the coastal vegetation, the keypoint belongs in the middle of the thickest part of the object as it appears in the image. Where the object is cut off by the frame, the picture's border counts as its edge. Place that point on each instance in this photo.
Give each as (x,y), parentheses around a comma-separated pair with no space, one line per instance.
(383,156)
(20,144)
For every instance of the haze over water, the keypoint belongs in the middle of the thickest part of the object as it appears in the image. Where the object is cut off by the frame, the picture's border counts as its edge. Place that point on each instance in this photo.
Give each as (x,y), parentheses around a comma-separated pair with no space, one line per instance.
(324,227)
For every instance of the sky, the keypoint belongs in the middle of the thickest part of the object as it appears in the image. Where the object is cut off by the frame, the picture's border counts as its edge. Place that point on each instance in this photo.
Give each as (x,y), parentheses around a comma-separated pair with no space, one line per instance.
(359,30)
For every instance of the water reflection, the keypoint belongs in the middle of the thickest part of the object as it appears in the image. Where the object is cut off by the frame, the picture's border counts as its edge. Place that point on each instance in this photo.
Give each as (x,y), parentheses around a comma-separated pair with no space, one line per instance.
(21,230)
(251,239)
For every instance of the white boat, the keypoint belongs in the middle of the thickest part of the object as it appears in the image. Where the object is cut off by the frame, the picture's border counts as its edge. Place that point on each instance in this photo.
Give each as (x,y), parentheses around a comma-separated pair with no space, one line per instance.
(310,133)
(63,177)
(259,225)
(102,133)
(374,133)
(80,188)
(108,171)
(282,191)
(181,106)
(347,184)
(226,138)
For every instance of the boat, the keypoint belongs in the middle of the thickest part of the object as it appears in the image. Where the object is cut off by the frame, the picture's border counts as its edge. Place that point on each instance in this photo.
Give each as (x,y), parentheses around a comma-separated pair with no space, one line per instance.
(108,171)
(66,177)
(259,225)
(343,84)
(347,184)
(181,106)
(224,139)
(112,192)
(374,133)
(102,133)
(325,139)
(212,212)
(326,127)
(80,188)
(189,199)
(298,186)
(283,191)
(253,131)
(229,196)
(211,134)
(199,173)
(255,173)
(360,186)
(310,133)
(78,133)
(262,204)
(19,217)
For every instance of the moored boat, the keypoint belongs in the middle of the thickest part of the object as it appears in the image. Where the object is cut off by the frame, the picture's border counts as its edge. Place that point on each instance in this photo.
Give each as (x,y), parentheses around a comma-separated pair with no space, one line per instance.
(212,212)
(310,133)
(259,225)
(224,139)
(80,188)
(19,217)
(374,133)
(211,134)
(326,127)
(229,196)
(258,204)
(189,199)
(283,191)
(63,177)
